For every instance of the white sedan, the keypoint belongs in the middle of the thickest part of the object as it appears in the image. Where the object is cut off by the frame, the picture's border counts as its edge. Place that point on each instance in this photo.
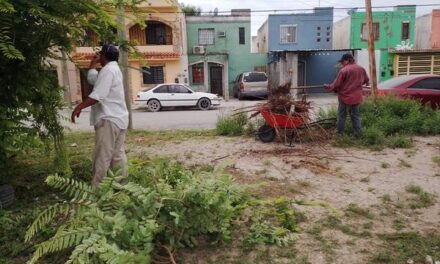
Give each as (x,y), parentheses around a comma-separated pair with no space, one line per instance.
(174,94)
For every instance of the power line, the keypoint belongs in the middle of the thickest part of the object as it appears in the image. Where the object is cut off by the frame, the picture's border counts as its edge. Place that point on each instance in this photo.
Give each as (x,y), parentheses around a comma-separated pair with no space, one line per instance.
(306,9)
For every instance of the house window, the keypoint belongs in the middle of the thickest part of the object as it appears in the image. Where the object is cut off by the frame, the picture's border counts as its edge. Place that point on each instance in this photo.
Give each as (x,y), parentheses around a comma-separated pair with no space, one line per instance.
(157,33)
(198,76)
(405,30)
(318,39)
(318,34)
(318,28)
(364,31)
(155,77)
(241,38)
(287,34)
(206,36)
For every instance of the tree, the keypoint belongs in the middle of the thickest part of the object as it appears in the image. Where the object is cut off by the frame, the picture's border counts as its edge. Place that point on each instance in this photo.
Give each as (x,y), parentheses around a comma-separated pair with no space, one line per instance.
(32,34)
(191,10)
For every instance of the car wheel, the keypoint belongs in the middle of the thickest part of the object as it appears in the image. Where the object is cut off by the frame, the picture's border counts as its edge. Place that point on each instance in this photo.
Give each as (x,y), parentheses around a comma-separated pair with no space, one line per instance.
(154,105)
(239,96)
(266,133)
(204,104)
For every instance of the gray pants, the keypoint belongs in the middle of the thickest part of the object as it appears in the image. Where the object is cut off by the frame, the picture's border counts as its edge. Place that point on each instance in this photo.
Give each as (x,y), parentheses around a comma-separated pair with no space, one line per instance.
(109,150)
(353,110)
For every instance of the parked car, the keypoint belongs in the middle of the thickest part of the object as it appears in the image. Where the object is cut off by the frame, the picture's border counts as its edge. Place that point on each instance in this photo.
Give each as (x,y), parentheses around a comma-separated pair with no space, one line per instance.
(425,88)
(251,84)
(172,94)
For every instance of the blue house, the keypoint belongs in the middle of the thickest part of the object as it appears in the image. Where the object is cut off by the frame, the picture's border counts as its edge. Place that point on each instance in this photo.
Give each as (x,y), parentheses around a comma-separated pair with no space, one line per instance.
(299,48)
(300,31)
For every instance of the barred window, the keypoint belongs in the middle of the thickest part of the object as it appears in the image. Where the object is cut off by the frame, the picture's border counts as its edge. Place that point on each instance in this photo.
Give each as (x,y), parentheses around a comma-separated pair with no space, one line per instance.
(155,77)
(206,36)
(287,34)
(405,30)
(198,74)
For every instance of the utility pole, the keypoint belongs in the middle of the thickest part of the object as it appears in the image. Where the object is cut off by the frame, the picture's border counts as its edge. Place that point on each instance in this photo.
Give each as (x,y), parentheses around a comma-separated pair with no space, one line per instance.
(373,76)
(124,61)
(66,78)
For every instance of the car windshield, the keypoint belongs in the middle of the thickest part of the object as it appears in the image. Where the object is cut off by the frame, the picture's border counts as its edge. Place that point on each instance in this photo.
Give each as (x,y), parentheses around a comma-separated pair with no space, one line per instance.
(255,77)
(392,83)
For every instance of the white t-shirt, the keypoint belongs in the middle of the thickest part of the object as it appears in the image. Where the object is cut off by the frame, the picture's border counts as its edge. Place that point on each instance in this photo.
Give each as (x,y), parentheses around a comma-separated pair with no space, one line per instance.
(108,90)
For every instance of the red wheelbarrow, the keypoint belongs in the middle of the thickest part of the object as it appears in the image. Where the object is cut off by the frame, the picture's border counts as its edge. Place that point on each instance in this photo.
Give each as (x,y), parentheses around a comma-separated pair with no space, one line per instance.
(274,121)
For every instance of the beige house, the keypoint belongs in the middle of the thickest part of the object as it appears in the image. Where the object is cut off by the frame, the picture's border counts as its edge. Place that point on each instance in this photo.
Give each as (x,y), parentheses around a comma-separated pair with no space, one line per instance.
(162,44)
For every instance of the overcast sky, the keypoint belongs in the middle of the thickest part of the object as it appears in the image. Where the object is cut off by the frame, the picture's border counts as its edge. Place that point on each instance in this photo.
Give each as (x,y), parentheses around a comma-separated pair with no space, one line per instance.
(258,18)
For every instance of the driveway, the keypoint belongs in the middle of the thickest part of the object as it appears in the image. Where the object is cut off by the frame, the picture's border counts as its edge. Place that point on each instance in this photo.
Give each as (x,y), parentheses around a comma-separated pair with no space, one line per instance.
(178,118)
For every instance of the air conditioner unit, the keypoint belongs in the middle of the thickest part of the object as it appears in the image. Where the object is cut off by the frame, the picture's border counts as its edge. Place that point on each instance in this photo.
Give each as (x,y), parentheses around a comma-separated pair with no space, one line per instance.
(199,50)
(221,34)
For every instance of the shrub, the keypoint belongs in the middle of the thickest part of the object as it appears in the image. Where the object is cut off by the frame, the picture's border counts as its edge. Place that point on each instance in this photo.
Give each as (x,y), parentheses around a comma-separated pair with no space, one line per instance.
(163,205)
(231,125)
(391,121)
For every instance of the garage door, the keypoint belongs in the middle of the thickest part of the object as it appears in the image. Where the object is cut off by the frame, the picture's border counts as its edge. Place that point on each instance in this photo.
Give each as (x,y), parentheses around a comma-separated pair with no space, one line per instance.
(411,63)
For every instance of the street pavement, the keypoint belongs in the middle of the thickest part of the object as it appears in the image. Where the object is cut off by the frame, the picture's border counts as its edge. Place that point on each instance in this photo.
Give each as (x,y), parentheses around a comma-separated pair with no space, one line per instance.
(184,118)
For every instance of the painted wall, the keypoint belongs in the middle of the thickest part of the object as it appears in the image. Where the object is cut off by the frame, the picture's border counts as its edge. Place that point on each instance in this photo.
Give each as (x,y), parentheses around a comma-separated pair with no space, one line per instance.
(423,32)
(362,58)
(435,35)
(390,27)
(225,49)
(320,68)
(307,31)
(262,37)
(283,69)
(341,33)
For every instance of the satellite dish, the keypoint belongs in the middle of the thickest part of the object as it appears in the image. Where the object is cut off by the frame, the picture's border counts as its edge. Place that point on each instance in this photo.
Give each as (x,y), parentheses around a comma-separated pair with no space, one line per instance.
(216,11)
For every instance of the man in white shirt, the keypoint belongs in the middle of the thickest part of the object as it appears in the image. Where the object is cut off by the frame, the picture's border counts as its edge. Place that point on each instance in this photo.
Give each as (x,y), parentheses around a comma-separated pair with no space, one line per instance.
(109,113)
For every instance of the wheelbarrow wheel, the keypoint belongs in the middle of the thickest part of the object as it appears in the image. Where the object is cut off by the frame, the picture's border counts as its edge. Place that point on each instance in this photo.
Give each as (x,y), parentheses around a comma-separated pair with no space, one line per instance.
(266,133)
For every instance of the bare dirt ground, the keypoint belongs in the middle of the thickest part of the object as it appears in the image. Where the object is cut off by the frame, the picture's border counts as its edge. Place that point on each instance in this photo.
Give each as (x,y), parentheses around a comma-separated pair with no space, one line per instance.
(370,188)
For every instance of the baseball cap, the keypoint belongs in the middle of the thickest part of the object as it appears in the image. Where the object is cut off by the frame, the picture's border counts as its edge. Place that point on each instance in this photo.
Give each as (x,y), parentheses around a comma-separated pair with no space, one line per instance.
(346,56)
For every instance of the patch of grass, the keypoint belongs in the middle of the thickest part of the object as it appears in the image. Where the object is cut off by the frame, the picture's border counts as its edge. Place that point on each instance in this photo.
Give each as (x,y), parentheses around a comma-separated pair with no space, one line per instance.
(385,165)
(354,209)
(436,160)
(421,199)
(399,247)
(366,179)
(252,126)
(399,224)
(390,122)
(267,163)
(231,125)
(404,164)
(386,198)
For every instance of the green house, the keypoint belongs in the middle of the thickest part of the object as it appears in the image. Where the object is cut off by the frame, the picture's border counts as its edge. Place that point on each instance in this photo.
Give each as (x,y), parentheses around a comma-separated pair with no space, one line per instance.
(219,49)
(391,29)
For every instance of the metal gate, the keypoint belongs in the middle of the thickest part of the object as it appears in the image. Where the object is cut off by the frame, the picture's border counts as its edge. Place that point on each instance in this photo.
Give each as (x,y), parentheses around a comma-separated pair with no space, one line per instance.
(417,63)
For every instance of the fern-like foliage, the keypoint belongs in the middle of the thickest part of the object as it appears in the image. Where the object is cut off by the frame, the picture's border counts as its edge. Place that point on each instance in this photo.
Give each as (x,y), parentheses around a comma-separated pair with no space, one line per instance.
(75,189)
(104,224)
(47,216)
(62,240)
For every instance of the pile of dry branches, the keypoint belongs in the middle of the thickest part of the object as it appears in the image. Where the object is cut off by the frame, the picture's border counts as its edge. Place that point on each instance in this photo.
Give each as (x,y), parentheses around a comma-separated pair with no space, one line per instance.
(281,102)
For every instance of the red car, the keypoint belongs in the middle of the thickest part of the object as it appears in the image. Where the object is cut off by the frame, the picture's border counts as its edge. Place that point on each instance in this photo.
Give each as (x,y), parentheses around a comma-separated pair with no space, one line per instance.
(425,88)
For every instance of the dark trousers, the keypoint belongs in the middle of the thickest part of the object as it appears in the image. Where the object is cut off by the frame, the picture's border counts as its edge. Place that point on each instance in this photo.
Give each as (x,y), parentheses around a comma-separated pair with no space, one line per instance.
(353,110)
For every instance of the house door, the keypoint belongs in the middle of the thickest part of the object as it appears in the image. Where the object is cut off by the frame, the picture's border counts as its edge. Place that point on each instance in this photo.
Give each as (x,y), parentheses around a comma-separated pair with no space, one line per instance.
(216,74)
